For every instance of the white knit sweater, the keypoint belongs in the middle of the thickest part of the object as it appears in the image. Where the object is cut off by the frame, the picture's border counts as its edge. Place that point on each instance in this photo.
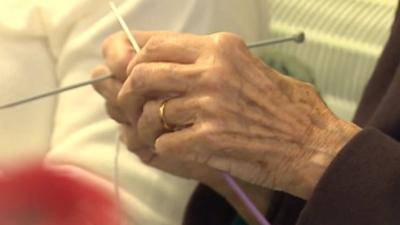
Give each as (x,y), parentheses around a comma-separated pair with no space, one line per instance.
(47,44)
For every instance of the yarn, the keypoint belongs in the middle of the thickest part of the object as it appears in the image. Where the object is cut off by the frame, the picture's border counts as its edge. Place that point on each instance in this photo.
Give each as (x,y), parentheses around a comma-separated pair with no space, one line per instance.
(38,195)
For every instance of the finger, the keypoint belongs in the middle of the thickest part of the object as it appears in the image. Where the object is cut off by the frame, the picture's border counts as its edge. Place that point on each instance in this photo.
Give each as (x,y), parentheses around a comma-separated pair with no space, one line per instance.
(184,145)
(120,37)
(183,111)
(178,112)
(149,124)
(169,47)
(203,142)
(156,80)
(116,113)
(108,88)
(178,143)
(118,51)
(187,145)
(135,145)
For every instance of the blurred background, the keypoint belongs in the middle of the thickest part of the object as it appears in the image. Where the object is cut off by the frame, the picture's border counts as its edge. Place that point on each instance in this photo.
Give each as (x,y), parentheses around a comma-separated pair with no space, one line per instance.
(344,40)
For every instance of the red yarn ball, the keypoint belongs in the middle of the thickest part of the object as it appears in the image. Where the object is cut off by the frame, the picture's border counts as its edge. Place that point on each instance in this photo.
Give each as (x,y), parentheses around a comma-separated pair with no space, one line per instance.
(41,196)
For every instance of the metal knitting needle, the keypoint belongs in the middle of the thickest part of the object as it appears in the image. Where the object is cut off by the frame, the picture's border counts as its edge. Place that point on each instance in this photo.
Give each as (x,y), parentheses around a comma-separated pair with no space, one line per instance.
(298,38)
(54,92)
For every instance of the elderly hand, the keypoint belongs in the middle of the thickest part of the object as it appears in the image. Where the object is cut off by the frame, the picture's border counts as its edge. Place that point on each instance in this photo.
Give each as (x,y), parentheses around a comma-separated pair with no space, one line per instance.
(226,108)
(140,132)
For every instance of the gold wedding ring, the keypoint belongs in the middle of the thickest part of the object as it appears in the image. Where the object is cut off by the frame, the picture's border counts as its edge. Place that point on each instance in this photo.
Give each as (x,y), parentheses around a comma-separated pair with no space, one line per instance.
(162,116)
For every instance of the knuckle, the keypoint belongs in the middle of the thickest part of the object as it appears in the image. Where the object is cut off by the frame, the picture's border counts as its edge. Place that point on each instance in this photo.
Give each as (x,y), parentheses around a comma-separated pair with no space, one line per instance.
(115,113)
(208,133)
(163,68)
(163,146)
(205,101)
(139,69)
(138,77)
(307,86)
(207,104)
(307,93)
(153,44)
(226,40)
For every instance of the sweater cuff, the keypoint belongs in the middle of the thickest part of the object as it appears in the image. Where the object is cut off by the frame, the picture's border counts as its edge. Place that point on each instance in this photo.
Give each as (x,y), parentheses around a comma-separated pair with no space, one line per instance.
(361,186)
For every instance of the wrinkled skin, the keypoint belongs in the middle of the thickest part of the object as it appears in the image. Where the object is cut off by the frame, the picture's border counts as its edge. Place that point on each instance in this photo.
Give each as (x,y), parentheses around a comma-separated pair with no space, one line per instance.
(233,112)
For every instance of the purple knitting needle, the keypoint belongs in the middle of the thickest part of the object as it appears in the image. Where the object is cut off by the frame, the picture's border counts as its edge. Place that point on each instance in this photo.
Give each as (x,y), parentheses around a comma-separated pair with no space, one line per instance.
(245,199)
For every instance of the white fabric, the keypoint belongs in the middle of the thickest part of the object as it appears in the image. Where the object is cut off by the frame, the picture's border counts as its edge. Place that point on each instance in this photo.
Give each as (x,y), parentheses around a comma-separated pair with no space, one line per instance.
(46,44)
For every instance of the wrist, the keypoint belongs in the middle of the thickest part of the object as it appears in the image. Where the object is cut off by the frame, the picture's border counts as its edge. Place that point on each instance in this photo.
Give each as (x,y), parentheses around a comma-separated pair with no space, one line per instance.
(326,143)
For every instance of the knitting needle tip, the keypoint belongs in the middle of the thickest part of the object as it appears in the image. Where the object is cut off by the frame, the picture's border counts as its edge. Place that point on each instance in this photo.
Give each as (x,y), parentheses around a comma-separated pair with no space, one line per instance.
(300,37)
(297,38)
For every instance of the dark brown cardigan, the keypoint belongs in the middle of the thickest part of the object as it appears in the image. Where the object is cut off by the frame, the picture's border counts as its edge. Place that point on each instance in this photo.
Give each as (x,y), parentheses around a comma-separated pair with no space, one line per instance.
(362,184)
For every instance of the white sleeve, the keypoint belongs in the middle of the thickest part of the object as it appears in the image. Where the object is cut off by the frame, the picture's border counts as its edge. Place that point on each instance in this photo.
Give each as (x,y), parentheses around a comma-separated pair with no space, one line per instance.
(83,136)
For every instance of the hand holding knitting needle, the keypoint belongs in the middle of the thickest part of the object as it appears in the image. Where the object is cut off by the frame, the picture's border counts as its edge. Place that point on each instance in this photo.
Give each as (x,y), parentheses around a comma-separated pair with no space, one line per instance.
(221,108)
(118,52)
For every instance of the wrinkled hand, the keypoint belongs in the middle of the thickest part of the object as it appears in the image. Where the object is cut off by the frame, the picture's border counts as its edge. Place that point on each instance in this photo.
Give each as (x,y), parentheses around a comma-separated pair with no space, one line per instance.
(235,113)
(140,130)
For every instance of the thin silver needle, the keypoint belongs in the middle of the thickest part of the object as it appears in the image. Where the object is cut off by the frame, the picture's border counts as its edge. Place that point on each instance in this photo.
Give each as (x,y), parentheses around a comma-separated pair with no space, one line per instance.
(299,38)
(56,91)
